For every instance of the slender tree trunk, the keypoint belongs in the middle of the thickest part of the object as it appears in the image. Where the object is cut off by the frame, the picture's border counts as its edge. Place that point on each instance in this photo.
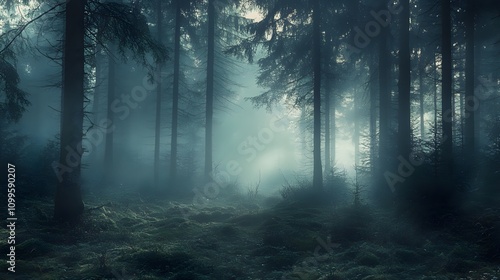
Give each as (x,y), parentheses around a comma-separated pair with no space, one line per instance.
(210,89)
(384,99)
(328,89)
(436,125)
(108,150)
(303,133)
(373,114)
(68,204)
(159,23)
(96,104)
(333,130)
(329,59)
(446,80)
(382,193)
(461,108)
(404,84)
(469,141)
(175,95)
(478,141)
(356,128)
(317,169)
(421,73)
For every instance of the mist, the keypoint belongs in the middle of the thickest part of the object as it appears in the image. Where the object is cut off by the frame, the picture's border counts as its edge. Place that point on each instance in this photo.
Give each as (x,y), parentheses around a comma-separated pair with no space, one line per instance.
(260,139)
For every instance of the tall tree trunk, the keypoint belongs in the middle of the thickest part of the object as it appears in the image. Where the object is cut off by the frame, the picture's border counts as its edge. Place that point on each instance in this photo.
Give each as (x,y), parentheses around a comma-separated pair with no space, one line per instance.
(436,125)
(404,84)
(461,108)
(328,89)
(373,114)
(329,60)
(68,204)
(156,168)
(96,104)
(317,169)
(446,80)
(303,134)
(356,128)
(175,94)
(333,128)
(383,191)
(478,54)
(210,89)
(421,73)
(384,99)
(469,141)
(108,150)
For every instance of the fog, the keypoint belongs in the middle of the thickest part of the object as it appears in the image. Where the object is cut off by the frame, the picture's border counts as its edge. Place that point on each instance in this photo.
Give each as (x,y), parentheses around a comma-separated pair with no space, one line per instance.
(259,139)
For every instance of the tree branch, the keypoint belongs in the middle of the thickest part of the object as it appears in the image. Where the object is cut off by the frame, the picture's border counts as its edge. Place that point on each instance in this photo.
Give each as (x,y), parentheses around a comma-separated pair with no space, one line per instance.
(22,28)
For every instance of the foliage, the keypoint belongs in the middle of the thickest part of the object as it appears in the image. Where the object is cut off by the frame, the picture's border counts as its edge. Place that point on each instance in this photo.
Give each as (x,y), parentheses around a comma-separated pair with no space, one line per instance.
(125,25)
(13,100)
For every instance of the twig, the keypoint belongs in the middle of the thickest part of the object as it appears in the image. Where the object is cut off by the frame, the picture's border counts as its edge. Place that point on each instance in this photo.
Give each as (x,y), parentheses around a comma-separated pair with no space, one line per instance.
(21,29)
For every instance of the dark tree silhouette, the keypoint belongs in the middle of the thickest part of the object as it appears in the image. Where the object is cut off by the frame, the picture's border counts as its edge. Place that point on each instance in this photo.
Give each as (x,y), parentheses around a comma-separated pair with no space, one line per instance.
(470,77)
(68,204)
(209,106)
(159,67)
(404,84)
(446,84)
(316,57)
(175,93)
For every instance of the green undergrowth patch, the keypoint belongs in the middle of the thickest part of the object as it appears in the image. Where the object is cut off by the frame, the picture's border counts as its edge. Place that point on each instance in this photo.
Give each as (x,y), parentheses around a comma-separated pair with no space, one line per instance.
(159,239)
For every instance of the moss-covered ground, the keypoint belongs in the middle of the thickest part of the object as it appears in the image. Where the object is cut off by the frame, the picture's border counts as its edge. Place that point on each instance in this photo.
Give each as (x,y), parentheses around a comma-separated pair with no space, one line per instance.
(125,236)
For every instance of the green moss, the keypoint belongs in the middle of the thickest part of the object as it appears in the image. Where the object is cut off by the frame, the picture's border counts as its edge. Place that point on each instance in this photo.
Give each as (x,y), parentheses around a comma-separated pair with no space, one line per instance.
(226,231)
(70,259)
(460,265)
(265,251)
(281,261)
(248,220)
(368,259)
(358,272)
(379,277)
(351,224)
(169,262)
(336,276)
(33,248)
(406,256)
(215,216)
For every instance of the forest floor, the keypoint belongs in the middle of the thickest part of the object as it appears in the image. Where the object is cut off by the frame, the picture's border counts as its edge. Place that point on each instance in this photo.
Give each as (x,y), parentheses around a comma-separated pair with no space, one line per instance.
(124,237)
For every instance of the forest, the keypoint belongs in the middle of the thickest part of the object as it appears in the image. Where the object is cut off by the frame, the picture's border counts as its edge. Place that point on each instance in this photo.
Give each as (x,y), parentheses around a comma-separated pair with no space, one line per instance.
(250,139)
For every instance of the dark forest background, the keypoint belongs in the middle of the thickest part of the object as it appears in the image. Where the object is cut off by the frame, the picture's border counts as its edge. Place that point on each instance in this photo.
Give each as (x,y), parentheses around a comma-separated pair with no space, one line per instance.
(385,109)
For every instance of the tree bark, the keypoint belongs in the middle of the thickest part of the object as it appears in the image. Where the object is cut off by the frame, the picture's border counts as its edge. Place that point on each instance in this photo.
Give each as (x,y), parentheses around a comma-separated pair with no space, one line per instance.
(446,83)
(329,118)
(175,95)
(317,169)
(328,89)
(421,73)
(404,84)
(156,168)
(469,141)
(436,125)
(384,99)
(373,115)
(210,89)
(356,128)
(108,148)
(68,204)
